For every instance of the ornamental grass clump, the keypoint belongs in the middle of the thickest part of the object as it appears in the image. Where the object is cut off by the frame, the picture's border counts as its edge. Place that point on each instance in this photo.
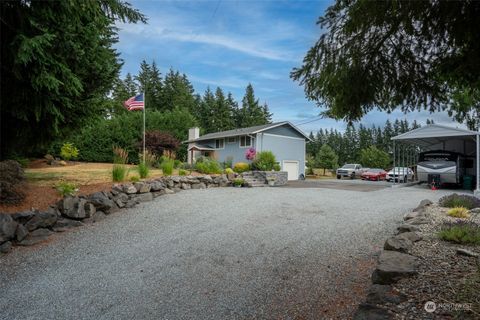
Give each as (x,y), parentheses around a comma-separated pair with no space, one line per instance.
(143,170)
(120,158)
(167,167)
(459,212)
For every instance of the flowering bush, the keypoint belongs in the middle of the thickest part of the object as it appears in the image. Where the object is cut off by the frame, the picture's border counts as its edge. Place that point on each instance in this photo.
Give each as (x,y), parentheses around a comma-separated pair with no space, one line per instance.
(250,154)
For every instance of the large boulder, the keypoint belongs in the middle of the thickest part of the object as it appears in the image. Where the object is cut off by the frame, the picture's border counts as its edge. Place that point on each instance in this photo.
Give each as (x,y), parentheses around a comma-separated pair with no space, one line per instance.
(21,232)
(7,227)
(5,247)
(421,219)
(35,237)
(142,187)
(24,216)
(200,185)
(399,244)
(157,185)
(423,204)
(412,236)
(129,189)
(41,220)
(101,201)
(76,208)
(407,228)
(64,224)
(393,266)
(382,294)
(143,197)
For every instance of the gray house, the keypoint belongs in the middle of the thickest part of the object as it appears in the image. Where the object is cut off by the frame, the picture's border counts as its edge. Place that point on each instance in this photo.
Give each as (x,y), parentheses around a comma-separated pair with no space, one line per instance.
(285,140)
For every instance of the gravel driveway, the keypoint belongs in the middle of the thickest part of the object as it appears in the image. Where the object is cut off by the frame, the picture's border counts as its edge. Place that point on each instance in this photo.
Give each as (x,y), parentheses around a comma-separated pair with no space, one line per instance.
(224,253)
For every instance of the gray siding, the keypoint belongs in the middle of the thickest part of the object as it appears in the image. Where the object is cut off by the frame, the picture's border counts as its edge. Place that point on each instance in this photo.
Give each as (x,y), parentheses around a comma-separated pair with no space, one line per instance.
(284,148)
(284,130)
(230,150)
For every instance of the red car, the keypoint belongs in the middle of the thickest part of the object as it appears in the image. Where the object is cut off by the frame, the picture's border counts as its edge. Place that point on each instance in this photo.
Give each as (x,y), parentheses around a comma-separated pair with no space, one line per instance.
(374,174)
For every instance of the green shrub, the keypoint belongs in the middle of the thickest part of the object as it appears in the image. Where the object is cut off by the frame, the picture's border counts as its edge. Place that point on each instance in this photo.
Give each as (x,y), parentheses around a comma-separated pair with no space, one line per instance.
(119,171)
(182,172)
(208,166)
(228,163)
(143,170)
(167,167)
(24,162)
(277,167)
(96,139)
(456,200)
(65,188)
(240,167)
(459,212)
(238,182)
(229,171)
(68,151)
(264,161)
(177,163)
(187,166)
(462,232)
(134,178)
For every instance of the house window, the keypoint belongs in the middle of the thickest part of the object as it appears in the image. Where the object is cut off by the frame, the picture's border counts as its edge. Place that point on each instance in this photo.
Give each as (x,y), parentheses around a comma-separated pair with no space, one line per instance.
(219,143)
(245,141)
(231,140)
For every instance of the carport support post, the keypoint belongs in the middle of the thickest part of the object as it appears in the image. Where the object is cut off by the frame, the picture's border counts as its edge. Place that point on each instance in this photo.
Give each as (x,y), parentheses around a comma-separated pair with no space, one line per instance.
(477,188)
(394,158)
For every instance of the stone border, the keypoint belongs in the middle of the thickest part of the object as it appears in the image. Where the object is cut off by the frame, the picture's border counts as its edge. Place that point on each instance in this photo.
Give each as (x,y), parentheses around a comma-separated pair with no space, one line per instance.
(31,227)
(394,263)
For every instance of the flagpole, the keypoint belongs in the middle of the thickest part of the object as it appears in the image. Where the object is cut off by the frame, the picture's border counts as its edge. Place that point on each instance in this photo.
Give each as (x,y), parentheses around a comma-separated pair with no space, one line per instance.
(144,107)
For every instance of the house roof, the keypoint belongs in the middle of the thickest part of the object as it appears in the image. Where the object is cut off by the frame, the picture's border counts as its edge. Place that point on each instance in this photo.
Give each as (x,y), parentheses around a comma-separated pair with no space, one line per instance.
(201,147)
(246,131)
(435,133)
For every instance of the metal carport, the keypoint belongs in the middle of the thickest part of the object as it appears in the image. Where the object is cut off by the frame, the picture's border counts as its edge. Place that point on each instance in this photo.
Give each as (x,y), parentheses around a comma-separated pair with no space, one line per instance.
(435,136)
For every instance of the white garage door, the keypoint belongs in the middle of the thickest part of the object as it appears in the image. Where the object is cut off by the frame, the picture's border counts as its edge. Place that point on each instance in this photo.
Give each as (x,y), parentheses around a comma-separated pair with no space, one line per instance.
(292,168)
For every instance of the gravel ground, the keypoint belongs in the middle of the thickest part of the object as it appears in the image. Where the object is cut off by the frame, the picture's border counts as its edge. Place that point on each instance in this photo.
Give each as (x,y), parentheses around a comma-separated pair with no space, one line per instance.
(227,253)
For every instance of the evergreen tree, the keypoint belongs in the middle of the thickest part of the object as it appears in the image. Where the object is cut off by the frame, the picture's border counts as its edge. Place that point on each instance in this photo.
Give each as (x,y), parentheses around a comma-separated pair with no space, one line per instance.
(251,113)
(177,91)
(222,113)
(58,65)
(205,114)
(326,158)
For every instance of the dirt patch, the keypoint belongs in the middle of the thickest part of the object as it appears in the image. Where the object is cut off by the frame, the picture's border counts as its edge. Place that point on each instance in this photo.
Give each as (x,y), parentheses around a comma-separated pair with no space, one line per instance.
(41,197)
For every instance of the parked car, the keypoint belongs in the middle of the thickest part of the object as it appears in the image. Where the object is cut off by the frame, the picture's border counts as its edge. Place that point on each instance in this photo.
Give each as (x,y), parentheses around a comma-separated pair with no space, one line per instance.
(400,174)
(374,174)
(350,170)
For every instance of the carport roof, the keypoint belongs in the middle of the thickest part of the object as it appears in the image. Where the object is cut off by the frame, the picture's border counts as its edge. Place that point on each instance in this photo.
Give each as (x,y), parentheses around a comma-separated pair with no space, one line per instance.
(435,133)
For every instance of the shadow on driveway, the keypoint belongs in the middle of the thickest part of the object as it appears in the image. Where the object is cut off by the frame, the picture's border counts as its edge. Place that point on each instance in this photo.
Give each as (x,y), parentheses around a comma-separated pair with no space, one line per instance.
(352,185)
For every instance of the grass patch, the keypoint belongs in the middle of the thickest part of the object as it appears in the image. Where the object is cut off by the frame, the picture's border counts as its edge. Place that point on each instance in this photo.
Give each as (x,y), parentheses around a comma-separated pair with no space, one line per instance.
(42,176)
(462,232)
(468,294)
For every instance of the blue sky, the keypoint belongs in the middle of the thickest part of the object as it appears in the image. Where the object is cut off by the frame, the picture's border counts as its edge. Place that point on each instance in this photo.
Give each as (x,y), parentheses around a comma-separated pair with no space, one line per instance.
(231,43)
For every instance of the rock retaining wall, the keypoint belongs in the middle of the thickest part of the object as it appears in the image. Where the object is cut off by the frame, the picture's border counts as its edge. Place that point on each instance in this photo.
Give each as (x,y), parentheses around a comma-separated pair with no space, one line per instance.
(394,263)
(30,227)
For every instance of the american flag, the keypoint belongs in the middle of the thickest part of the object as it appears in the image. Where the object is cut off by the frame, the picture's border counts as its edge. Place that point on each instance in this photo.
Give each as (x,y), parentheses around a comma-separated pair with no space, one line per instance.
(135,103)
